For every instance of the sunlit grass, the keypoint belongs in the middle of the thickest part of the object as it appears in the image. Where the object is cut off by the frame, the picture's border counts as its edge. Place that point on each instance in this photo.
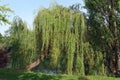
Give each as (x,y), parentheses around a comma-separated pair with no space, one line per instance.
(8,74)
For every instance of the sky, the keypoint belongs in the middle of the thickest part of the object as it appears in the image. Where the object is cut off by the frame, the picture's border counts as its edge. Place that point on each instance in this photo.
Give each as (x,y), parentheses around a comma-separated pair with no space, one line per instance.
(26,9)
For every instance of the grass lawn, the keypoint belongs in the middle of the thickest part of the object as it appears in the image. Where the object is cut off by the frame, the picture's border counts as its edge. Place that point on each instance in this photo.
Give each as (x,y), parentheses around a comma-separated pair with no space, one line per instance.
(7,74)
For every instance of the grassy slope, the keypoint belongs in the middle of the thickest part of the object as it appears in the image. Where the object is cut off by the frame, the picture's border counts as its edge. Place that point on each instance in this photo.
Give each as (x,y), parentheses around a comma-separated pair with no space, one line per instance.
(21,75)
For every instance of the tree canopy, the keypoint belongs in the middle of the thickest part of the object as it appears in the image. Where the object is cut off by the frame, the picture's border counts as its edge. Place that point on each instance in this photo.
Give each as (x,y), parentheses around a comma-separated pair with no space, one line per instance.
(4,14)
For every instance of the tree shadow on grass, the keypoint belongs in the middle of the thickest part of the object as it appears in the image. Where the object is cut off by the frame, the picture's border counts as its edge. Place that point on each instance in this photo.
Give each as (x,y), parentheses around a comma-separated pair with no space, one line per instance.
(83,78)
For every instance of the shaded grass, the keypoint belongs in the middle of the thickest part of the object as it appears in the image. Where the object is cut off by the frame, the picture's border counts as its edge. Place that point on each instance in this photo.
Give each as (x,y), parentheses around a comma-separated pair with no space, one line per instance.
(8,74)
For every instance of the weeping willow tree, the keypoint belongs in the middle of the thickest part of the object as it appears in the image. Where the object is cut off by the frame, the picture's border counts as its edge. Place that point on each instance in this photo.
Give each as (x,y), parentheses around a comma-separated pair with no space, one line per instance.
(23,44)
(59,32)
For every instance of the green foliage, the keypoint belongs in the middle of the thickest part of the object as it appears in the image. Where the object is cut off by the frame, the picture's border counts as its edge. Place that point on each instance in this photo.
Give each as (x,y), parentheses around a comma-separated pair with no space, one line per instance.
(103,32)
(59,32)
(88,59)
(22,42)
(8,74)
(3,14)
(99,63)
(93,61)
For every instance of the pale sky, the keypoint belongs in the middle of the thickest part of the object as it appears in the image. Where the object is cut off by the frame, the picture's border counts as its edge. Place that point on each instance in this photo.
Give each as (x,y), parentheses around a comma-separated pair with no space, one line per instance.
(26,9)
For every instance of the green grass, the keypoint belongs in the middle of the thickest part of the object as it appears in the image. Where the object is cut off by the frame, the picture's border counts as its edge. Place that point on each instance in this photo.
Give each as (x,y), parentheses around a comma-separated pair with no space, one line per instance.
(8,74)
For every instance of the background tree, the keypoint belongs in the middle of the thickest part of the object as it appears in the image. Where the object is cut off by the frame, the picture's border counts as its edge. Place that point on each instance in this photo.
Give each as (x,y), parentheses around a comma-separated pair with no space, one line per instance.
(21,39)
(103,28)
(4,14)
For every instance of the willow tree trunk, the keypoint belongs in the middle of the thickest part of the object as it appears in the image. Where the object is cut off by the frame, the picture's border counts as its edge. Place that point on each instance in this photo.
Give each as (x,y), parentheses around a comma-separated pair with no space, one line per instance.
(35,63)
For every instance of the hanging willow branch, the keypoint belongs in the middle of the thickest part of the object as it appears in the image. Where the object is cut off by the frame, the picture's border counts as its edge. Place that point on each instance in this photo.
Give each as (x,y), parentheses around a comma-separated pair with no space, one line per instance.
(59,31)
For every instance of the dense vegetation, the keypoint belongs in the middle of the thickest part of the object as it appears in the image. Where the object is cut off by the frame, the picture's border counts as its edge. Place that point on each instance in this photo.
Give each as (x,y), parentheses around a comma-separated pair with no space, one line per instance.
(65,41)
(3,14)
